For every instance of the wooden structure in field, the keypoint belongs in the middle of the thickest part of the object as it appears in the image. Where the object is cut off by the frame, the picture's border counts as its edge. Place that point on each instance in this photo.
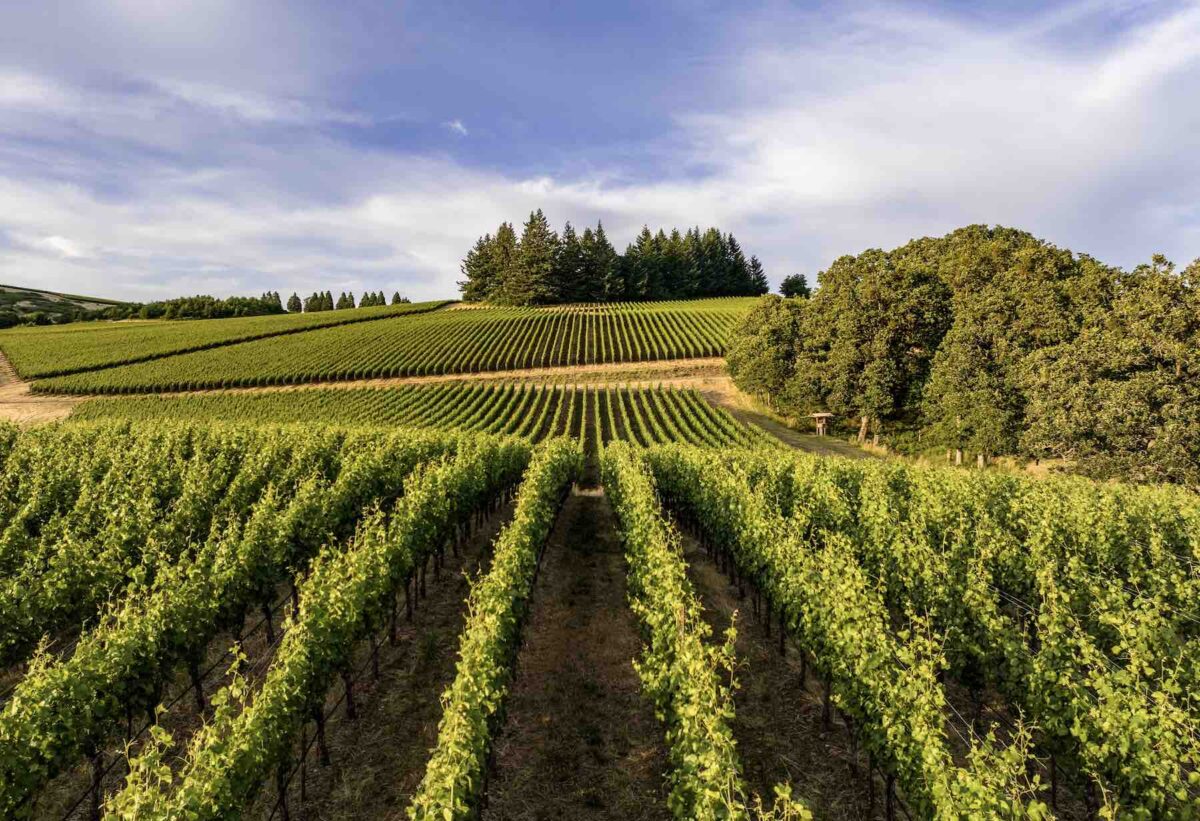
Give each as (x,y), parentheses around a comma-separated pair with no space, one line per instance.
(822,422)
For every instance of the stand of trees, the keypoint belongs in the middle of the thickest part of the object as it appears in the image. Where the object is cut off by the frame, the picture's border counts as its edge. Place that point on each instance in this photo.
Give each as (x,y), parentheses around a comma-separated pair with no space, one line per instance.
(323,301)
(987,342)
(195,307)
(542,267)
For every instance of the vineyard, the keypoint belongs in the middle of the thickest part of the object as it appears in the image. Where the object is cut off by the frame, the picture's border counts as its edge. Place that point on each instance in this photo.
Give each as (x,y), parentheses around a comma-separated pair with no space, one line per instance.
(218,599)
(51,350)
(643,416)
(436,342)
(504,598)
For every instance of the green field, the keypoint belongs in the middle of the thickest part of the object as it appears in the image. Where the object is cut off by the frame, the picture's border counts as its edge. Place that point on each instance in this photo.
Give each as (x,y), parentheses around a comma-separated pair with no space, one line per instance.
(43,351)
(441,342)
(511,597)
(644,416)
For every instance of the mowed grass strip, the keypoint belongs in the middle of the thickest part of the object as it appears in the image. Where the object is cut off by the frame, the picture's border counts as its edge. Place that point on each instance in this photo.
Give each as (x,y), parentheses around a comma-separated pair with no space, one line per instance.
(441,342)
(53,350)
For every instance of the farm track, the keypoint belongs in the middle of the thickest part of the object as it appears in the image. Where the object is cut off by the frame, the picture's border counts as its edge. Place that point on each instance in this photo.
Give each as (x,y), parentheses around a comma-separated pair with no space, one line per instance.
(580,741)
(18,404)
(778,720)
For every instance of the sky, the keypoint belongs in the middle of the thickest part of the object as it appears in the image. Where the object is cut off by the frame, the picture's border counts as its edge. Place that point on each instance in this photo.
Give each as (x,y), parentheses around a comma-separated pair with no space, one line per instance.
(151,149)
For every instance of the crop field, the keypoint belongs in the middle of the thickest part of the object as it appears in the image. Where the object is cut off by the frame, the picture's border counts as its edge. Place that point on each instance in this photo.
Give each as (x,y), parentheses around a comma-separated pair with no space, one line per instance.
(510,599)
(440,342)
(50,350)
(972,644)
(643,416)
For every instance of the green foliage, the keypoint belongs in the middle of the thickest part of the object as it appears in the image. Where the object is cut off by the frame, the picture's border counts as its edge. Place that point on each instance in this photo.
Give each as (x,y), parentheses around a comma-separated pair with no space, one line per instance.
(1073,600)
(1123,397)
(681,671)
(543,268)
(319,486)
(795,285)
(473,705)
(762,355)
(996,342)
(534,412)
(69,349)
(344,598)
(438,342)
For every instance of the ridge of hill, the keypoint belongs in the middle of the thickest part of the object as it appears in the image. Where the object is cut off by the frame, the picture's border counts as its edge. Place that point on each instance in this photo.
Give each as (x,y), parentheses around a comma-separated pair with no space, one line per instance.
(19,302)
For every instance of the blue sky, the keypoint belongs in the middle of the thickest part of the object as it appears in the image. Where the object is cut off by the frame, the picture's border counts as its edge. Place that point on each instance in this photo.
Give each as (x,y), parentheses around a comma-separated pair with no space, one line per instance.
(152,149)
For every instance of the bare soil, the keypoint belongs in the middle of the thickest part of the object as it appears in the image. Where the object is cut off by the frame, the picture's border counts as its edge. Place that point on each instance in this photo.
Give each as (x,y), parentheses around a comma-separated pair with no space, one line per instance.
(579,742)
(18,405)
(377,760)
(778,718)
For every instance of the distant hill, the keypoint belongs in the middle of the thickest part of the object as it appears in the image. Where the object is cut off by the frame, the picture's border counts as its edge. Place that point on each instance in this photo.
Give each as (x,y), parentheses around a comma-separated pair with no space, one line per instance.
(17,303)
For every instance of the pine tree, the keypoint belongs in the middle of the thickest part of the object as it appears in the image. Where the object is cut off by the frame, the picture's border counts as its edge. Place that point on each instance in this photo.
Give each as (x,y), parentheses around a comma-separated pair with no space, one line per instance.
(606,266)
(480,271)
(568,279)
(294,304)
(529,281)
(397,299)
(758,278)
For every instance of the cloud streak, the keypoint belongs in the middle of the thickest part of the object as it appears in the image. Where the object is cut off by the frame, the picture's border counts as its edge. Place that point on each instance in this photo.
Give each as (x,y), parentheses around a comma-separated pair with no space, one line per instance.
(824,132)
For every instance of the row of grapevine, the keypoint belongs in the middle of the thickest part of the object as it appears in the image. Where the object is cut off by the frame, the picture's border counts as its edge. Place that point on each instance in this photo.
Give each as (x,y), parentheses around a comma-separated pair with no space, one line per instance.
(643,416)
(58,350)
(147,496)
(347,596)
(681,671)
(64,708)
(474,703)
(439,342)
(886,683)
(1074,601)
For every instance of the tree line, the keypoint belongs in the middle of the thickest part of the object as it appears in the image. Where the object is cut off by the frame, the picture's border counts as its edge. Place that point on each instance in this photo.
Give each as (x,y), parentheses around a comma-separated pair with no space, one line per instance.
(202,306)
(988,342)
(323,301)
(542,267)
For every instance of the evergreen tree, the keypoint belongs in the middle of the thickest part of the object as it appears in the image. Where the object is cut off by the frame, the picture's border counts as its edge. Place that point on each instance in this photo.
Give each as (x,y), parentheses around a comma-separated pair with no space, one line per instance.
(480,271)
(530,279)
(758,278)
(569,273)
(294,304)
(397,299)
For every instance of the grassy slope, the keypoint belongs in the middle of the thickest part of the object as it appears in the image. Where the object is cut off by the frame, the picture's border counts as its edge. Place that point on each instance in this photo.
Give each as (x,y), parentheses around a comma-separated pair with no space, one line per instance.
(459,341)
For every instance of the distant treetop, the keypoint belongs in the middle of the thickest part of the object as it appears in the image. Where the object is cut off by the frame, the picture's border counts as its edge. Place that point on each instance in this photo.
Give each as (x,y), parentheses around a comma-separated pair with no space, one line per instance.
(542,267)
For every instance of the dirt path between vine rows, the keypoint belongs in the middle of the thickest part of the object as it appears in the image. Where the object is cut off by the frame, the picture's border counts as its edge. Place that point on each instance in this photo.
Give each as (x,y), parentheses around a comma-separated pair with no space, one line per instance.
(580,741)
(377,760)
(18,405)
(777,719)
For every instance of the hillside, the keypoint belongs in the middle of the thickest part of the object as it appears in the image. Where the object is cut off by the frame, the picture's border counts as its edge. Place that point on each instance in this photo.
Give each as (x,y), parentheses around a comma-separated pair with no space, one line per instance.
(506,563)
(18,303)
(439,342)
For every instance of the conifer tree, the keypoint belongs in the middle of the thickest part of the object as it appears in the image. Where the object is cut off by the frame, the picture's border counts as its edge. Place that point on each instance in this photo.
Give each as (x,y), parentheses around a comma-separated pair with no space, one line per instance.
(758,278)
(529,280)
(294,304)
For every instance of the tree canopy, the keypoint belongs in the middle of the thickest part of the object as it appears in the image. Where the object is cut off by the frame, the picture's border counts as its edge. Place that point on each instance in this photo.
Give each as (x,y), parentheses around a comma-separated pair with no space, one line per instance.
(992,341)
(543,267)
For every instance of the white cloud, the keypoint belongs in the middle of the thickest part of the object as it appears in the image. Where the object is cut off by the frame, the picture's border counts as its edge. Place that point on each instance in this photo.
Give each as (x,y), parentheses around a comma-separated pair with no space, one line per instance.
(62,246)
(832,136)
